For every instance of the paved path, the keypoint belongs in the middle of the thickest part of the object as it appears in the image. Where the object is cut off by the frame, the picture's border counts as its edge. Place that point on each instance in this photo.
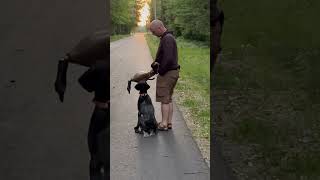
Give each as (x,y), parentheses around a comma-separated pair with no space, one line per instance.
(40,138)
(171,155)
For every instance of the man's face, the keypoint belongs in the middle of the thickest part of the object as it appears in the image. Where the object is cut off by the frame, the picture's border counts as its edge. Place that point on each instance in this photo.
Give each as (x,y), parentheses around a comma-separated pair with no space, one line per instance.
(155,31)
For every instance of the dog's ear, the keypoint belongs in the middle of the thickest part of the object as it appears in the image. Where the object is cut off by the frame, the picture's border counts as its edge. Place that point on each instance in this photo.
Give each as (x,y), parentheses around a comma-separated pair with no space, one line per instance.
(129,86)
(146,86)
(142,87)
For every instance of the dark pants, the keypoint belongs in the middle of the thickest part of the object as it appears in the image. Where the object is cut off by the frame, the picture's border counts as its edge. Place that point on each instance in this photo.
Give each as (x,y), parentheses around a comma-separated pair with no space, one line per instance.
(96,80)
(98,142)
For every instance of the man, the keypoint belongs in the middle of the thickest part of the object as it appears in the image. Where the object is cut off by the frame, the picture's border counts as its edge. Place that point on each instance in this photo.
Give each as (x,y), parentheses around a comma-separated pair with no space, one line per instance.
(167,57)
(93,52)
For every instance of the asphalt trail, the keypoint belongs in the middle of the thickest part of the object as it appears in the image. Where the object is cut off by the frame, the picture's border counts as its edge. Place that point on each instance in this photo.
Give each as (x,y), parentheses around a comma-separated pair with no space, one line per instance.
(171,155)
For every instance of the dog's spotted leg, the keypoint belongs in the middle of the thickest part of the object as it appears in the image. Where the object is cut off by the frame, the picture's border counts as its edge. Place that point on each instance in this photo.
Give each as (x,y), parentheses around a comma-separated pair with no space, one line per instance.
(152,133)
(136,129)
(146,134)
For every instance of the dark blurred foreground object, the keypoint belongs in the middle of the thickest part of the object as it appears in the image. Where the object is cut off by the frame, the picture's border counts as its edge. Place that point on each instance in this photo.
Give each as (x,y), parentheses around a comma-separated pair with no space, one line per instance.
(104,150)
(61,80)
(93,52)
(217,21)
(90,49)
(96,79)
(99,144)
(87,52)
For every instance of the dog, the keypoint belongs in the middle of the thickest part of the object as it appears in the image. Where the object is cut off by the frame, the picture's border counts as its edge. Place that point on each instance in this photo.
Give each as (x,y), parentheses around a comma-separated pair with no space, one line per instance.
(147,123)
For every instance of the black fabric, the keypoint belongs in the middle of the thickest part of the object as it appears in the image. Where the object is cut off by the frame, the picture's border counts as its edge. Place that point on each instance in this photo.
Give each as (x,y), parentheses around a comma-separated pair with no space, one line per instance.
(97,79)
(93,51)
(167,54)
(99,123)
(87,80)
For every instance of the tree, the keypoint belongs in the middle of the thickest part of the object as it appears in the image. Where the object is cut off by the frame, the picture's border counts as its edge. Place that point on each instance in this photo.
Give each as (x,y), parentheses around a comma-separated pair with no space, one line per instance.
(187,18)
(122,16)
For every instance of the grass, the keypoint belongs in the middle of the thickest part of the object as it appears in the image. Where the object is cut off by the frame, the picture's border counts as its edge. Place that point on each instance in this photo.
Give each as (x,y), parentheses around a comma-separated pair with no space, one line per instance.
(266,96)
(269,110)
(193,87)
(118,37)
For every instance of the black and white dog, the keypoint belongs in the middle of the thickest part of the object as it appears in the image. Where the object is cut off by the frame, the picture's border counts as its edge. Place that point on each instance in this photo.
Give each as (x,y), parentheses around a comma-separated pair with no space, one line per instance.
(147,123)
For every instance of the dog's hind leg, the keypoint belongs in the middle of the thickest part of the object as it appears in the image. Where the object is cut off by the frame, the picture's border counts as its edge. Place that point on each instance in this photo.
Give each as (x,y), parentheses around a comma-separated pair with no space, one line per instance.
(138,124)
(153,132)
(155,125)
(136,129)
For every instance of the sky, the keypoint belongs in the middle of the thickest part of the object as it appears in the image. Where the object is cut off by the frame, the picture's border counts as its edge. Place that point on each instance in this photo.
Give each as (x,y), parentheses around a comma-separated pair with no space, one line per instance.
(145,11)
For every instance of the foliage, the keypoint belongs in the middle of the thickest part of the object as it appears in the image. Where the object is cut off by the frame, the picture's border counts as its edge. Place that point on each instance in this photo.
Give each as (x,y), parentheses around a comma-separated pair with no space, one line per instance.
(125,15)
(187,18)
(265,91)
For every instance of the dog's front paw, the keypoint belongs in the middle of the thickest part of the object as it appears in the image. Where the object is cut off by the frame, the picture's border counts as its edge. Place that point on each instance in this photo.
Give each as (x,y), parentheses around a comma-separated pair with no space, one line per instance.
(145,134)
(152,133)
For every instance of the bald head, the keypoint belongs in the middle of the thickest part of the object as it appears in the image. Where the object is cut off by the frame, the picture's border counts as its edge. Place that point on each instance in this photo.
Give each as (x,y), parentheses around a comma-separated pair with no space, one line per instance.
(156,24)
(157,28)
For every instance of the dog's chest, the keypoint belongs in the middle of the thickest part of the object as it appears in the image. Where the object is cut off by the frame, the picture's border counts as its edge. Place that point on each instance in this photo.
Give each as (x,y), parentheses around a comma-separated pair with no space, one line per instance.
(145,105)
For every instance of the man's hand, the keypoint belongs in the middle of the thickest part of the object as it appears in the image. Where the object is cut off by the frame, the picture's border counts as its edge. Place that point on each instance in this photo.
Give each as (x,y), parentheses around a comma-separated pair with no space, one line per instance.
(155,67)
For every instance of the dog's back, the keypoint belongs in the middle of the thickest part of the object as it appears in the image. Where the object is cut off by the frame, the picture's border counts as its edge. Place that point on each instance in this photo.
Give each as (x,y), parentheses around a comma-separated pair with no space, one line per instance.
(146,112)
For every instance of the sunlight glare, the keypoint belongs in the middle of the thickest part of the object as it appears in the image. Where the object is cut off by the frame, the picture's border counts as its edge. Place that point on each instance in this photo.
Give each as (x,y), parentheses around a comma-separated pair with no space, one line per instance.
(145,12)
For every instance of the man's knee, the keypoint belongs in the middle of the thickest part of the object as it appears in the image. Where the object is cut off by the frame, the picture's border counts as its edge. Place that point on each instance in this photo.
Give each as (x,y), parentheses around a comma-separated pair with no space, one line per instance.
(164,99)
(165,103)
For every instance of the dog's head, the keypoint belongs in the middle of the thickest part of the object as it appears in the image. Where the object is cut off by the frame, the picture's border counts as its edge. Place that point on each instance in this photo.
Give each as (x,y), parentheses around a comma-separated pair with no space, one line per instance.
(142,77)
(142,87)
